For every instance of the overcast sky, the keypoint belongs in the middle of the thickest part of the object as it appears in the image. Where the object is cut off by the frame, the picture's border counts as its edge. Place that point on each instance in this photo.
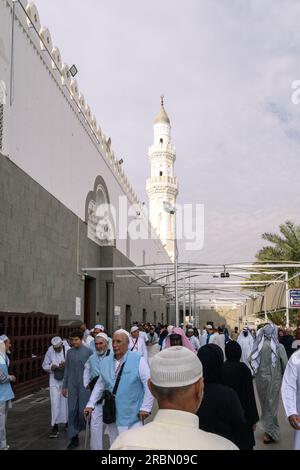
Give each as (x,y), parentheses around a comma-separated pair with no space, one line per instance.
(226,69)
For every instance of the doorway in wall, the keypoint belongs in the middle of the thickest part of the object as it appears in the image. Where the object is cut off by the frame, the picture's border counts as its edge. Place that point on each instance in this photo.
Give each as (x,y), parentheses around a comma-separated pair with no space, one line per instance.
(128,319)
(144,315)
(89,301)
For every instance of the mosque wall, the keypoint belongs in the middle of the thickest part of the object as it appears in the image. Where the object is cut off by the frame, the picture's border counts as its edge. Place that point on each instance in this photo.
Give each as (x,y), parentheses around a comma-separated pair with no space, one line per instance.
(52,153)
(42,247)
(49,130)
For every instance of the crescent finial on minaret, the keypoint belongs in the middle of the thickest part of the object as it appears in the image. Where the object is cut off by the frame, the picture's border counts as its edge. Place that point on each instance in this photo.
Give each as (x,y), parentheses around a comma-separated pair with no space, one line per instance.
(162,99)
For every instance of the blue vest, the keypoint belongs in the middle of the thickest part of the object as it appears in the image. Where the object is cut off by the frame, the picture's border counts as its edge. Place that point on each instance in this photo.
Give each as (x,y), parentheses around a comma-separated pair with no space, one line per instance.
(130,393)
(95,363)
(6,392)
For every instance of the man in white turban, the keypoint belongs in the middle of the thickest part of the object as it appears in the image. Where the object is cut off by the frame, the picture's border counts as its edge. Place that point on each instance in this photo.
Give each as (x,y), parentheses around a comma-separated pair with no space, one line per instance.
(177,384)
(54,365)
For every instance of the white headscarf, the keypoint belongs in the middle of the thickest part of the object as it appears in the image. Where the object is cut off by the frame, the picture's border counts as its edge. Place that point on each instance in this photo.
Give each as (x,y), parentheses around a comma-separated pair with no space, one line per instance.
(269,332)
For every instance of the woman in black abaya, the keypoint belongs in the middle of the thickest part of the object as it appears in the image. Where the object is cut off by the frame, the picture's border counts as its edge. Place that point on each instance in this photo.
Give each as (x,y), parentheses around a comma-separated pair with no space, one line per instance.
(220,411)
(238,376)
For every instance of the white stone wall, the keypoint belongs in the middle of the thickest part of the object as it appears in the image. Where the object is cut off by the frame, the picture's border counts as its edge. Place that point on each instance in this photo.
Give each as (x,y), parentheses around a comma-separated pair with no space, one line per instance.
(50,132)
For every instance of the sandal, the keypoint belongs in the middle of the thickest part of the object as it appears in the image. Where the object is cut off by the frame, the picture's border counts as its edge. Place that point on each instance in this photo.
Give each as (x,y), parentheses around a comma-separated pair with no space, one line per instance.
(268,439)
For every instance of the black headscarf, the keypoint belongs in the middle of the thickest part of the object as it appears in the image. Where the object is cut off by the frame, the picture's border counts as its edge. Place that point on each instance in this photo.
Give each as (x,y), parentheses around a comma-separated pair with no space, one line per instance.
(212,359)
(233,351)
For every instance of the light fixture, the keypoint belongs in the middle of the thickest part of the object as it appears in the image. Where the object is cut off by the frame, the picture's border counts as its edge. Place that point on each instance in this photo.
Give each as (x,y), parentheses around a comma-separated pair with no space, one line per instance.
(73,70)
(121,161)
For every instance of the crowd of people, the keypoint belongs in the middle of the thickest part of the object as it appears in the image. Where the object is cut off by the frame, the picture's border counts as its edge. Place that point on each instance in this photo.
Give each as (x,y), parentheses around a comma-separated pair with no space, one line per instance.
(202,381)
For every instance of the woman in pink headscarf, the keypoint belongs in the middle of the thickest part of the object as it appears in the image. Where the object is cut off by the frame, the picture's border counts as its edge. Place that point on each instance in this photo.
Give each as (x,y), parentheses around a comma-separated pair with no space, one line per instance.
(177,337)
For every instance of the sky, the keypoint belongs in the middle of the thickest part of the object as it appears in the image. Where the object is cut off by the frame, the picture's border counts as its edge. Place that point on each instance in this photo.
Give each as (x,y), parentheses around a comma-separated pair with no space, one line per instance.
(226,69)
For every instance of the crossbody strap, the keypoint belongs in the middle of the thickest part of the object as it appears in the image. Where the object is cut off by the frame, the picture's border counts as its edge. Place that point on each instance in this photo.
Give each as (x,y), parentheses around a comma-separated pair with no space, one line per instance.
(134,344)
(118,379)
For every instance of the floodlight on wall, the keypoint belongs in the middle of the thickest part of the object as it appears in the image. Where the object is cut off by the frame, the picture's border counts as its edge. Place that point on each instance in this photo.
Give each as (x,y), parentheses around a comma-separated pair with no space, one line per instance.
(121,161)
(73,70)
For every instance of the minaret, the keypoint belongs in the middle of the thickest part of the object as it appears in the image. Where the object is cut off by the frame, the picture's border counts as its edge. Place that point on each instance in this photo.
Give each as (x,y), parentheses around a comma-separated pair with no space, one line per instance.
(162,186)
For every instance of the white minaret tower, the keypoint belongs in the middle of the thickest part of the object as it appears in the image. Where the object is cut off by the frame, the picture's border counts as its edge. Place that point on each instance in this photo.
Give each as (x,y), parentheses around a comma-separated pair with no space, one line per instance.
(162,186)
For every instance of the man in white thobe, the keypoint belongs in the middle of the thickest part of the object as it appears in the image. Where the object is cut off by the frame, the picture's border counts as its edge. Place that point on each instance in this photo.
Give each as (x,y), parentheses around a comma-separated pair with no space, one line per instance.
(55,361)
(90,376)
(192,339)
(131,410)
(246,342)
(219,340)
(137,342)
(209,336)
(290,392)
(177,384)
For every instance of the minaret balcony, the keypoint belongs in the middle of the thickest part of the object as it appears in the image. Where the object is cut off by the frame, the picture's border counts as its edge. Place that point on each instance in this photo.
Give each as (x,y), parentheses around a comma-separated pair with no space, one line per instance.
(160,149)
(162,181)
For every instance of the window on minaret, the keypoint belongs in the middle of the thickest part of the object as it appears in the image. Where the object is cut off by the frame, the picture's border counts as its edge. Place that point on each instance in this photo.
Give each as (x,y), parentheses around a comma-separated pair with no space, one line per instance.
(160,173)
(161,141)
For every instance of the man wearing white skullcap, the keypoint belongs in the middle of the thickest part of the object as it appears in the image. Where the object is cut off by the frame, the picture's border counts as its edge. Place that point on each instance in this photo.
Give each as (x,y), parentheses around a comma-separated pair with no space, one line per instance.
(193,339)
(137,343)
(90,376)
(95,331)
(6,392)
(177,384)
(133,398)
(53,364)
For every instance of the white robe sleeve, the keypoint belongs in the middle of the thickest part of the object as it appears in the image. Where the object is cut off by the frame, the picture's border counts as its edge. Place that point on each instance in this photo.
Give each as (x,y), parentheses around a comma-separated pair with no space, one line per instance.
(86,373)
(289,389)
(196,343)
(96,394)
(144,351)
(144,372)
(47,363)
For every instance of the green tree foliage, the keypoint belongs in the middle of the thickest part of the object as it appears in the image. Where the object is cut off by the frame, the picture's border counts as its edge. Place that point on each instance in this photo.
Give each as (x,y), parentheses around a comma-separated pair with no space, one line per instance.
(285,248)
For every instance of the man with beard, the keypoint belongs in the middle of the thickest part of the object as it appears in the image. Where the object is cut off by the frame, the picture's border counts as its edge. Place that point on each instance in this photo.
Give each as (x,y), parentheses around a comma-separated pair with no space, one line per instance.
(90,376)
(246,342)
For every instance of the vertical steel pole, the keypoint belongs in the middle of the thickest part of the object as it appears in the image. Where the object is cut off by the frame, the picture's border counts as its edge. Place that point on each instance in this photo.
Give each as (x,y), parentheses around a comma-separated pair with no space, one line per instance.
(287,313)
(176,272)
(184,305)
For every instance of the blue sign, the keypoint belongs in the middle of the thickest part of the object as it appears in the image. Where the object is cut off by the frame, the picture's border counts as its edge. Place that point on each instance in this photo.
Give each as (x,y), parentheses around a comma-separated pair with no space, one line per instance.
(294,295)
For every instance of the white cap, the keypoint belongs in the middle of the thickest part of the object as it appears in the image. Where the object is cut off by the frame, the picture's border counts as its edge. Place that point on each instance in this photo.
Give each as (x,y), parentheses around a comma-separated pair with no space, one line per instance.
(122,331)
(99,327)
(209,327)
(133,329)
(176,366)
(102,335)
(190,329)
(3,338)
(56,341)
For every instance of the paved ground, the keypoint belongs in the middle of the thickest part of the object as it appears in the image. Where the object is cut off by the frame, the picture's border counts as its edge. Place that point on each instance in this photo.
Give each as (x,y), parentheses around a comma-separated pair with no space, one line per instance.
(29,428)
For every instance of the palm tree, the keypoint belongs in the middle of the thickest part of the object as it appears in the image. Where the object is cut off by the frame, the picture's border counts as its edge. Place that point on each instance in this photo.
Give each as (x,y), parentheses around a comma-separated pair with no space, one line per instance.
(286,249)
